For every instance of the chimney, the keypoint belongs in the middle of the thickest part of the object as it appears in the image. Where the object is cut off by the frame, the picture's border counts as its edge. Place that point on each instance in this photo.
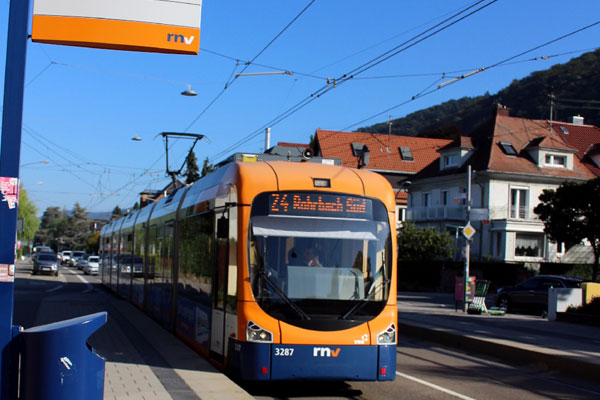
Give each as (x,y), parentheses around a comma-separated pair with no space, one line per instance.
(503,110)
(577,120)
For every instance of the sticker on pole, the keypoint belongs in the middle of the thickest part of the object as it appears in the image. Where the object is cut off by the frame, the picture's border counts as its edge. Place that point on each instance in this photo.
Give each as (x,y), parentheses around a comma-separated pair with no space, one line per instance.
(165,26)
(9,188)
(7,273)
(468,230)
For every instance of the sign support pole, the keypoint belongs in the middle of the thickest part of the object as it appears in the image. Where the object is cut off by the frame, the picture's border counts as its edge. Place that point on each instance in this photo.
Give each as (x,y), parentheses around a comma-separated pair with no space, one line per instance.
(10,155)
(468,241)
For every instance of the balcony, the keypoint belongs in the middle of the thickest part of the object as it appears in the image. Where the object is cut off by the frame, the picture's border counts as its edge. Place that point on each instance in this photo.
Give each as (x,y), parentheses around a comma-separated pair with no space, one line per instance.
(457,213)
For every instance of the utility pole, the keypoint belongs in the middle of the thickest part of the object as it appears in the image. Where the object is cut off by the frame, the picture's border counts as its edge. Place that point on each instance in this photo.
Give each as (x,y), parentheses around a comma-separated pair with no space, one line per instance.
(10,154)
(468,239)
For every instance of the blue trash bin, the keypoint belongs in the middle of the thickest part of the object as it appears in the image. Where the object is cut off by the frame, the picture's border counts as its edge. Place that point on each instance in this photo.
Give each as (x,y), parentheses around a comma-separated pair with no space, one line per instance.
(58,363)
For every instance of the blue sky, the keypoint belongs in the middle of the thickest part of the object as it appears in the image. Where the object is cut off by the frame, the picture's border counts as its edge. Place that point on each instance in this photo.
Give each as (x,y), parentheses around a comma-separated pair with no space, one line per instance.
(83,106)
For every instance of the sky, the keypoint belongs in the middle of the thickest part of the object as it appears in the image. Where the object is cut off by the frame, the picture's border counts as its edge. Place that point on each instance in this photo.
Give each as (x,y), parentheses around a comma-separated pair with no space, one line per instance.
(83,106)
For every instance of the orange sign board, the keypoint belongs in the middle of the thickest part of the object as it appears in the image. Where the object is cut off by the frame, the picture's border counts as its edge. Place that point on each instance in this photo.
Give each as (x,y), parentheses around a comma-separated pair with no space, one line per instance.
(165,26)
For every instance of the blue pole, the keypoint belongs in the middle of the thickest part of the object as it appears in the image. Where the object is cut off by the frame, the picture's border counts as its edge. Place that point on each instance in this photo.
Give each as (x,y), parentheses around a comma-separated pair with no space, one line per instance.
(10,154)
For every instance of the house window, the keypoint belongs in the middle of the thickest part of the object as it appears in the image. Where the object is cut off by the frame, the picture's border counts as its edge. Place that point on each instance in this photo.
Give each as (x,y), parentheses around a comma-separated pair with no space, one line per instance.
(444,197)
(450,161)
(508,148)
(529,245)
(406,154)
(556,160)
(426,199)
(358,148)
(519,203)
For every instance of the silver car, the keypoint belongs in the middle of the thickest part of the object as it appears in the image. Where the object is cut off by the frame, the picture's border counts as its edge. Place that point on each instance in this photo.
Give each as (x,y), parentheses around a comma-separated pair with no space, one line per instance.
(92,266)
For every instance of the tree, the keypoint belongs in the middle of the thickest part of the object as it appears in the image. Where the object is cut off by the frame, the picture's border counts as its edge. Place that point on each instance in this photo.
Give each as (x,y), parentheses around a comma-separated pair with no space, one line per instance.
(93,243)
(206,167)
(49,230)
(116,213)
(191,173)
(571,213)
(27,211)
(423,244)
(75,229)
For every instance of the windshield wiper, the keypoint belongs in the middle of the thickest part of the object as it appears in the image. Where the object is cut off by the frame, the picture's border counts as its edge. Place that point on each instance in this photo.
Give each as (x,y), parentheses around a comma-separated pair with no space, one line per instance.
(279,292)
(363,302)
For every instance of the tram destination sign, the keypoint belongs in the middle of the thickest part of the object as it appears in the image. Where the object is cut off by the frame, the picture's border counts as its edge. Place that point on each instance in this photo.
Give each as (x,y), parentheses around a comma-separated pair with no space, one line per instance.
(320,205)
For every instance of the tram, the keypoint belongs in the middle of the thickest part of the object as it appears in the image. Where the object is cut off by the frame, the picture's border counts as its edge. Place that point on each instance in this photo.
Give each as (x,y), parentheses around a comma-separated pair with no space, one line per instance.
(272,270)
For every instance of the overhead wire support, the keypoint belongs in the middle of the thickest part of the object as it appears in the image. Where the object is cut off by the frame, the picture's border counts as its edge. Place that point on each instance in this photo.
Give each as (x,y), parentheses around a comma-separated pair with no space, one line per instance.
(231,80)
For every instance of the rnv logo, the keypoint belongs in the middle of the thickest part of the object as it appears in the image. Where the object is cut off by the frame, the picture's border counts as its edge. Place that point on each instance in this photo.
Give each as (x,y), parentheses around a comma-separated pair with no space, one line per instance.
(325,352)
(172,37)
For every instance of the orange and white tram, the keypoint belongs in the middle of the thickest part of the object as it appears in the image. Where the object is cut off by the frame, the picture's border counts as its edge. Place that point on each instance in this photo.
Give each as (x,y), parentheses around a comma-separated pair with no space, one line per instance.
(224,263)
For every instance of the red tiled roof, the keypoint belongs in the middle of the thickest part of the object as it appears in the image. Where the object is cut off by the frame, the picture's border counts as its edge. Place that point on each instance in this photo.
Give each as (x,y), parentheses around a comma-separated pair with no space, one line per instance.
(337,144)
(523,134)
(582,137)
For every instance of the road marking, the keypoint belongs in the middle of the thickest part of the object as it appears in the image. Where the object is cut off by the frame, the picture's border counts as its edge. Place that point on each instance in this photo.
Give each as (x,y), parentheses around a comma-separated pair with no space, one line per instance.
(82,279)
(434,386)
(54,289)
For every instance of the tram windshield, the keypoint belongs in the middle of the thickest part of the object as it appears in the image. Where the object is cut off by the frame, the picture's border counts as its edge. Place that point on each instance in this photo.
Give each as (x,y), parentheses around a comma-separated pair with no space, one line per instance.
(316,256)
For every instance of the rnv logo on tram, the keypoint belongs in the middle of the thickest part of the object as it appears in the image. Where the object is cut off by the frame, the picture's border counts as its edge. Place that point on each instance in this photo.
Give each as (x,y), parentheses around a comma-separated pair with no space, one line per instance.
(325,352)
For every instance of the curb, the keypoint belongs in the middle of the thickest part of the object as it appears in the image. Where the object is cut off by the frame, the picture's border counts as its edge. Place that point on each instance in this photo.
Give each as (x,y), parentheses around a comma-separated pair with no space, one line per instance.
(568,365)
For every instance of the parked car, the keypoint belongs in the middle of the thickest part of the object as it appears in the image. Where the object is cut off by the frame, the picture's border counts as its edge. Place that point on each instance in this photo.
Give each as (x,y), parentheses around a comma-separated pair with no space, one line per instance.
(45,263)
(92,265)
(75,256)
(532,294)
(65,256)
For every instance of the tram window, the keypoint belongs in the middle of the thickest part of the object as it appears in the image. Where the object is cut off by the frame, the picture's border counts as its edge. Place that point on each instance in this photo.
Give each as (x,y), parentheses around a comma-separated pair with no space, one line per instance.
(196,255)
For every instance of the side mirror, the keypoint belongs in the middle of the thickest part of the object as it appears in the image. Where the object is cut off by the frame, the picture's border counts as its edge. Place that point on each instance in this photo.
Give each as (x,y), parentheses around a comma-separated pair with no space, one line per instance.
(223,228)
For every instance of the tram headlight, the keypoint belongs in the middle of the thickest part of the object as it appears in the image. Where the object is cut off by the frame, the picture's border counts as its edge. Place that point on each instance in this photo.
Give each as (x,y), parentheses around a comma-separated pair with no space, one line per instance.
(255,333)
(388,336)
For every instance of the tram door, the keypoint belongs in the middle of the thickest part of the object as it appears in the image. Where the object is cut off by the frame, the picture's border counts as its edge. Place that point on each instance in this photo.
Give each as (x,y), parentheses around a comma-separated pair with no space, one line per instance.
(219,284)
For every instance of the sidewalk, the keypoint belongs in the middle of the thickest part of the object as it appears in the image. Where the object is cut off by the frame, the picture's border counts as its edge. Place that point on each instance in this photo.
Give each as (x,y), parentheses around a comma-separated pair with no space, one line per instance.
(143,360)
(565,347)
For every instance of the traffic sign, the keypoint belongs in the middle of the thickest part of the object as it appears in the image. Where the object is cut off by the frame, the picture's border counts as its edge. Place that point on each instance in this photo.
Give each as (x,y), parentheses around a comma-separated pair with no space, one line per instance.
(468,231)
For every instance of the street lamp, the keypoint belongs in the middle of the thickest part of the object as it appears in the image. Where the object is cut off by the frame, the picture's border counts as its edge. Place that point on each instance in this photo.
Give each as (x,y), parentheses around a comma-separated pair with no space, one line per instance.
(189,91)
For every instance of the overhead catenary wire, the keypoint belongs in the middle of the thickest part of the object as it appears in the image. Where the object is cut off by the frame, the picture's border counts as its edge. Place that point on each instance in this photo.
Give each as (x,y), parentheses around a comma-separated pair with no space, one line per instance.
(450,21)
(231,80)
(495,65)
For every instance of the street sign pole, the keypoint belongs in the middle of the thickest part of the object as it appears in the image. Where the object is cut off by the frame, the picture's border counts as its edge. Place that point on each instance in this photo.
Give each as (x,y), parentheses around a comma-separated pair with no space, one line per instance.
(10,154)
(468,241)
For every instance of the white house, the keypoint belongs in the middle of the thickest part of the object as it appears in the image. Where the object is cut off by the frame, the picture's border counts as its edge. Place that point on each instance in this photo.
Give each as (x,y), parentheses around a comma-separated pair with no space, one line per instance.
(513,160)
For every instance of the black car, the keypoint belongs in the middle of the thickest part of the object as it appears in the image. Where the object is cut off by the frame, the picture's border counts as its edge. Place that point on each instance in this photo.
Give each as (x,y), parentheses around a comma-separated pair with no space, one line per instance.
(532,294)
(45,263)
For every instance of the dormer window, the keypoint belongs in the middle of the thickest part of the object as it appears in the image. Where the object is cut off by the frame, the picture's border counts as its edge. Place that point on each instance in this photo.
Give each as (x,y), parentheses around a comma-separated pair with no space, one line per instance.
(450,160)
(358,148)
(554,160)
(508,148)
(406,154)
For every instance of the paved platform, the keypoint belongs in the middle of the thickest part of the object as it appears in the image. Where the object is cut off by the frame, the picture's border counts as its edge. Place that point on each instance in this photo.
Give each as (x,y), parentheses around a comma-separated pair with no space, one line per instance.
(143,360)
(566,347)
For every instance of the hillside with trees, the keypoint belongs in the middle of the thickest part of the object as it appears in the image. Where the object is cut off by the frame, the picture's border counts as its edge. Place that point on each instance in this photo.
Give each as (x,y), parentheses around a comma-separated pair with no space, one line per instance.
(575,85)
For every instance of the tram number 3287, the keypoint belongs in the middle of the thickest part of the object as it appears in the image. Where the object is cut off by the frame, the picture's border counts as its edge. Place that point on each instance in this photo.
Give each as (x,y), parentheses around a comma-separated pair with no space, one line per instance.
(283,352)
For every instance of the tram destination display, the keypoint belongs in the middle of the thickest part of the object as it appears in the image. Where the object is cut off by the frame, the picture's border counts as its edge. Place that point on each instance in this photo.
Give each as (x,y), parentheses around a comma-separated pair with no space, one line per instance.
(320,205)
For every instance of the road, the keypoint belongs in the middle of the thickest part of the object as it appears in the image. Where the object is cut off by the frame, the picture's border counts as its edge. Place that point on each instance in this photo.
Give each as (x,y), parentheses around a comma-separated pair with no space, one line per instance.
(424,370)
